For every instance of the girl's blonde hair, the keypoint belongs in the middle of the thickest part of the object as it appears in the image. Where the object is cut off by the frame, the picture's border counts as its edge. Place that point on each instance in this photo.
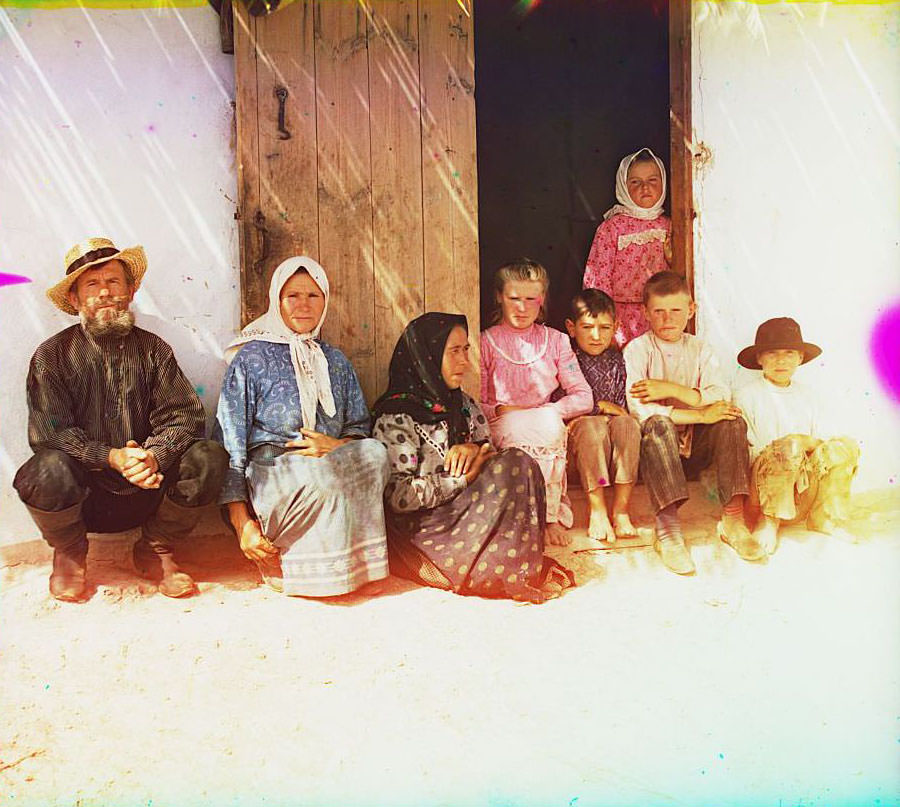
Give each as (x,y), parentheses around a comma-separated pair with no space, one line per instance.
(522,269)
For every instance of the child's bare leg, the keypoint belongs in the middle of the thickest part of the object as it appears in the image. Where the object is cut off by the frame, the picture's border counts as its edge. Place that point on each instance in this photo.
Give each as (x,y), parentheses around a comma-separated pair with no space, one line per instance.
(599,527)
(621,519)
(625,433)
(556,534)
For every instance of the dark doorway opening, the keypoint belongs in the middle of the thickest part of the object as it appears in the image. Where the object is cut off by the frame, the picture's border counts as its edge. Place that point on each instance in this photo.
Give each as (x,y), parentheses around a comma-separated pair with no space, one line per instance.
(564,89)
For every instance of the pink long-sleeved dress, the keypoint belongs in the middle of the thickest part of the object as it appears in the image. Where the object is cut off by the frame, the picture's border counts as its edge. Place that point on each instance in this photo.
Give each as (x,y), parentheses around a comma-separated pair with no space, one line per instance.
(523,367)
(625,252)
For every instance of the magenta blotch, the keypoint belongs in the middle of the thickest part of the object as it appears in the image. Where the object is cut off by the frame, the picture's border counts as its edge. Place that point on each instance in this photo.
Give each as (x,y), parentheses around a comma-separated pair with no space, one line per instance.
(884,350)
(12,280)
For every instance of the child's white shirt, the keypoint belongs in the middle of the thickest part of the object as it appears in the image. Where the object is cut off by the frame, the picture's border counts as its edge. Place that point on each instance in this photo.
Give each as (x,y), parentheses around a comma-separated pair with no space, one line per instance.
(772,412)
(690,362)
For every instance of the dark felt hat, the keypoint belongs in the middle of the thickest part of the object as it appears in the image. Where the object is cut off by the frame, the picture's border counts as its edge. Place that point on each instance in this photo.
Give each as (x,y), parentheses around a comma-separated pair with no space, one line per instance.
(781,333)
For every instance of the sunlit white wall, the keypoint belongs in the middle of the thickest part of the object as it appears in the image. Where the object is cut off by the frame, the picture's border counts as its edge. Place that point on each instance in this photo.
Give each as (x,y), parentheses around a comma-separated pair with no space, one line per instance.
(114,123)
(798,194)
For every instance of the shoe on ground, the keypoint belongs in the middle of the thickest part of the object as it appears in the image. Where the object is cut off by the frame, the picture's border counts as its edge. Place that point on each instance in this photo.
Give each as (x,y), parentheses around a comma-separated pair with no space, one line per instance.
(171,581)
(741,541)
(67,577)
(177,583)
(675,555)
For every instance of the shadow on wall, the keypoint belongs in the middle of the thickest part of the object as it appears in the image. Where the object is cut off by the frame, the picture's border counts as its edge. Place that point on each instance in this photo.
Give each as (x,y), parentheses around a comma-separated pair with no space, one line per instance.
(197,351)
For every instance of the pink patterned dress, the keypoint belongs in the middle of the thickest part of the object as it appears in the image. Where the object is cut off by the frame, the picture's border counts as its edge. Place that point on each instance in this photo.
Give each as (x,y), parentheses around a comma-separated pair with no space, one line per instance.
(625,252)
(523,368)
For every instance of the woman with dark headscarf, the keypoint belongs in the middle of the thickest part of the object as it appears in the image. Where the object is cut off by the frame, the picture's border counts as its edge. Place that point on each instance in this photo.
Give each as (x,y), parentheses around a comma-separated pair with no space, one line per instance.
(460,516)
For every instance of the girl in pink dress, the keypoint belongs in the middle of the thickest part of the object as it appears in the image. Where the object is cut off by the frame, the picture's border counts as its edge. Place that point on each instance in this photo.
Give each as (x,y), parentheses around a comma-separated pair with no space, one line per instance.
(632,242)
(522,363)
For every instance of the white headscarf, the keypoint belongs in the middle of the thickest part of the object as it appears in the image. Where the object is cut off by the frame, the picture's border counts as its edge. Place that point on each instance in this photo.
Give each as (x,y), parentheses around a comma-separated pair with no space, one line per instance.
(626,203)
(310,364)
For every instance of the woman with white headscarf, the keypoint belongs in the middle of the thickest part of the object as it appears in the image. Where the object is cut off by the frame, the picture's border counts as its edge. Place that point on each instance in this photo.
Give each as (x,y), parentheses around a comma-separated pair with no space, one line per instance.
(631,243)
(305,482)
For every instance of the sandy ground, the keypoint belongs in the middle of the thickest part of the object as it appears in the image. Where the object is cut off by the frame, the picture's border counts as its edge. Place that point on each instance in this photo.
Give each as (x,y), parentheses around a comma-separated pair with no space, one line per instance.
(748,684)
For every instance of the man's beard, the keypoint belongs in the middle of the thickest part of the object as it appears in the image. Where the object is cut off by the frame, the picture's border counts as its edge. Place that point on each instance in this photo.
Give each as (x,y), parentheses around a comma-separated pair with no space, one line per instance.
(107,322)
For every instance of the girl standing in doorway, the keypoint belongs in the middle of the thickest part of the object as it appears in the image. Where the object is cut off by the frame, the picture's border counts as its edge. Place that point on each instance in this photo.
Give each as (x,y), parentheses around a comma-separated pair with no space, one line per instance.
(632,242)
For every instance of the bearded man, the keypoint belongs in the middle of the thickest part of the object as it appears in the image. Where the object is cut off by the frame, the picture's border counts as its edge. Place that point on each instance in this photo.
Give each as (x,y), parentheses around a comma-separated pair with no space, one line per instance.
(115,428)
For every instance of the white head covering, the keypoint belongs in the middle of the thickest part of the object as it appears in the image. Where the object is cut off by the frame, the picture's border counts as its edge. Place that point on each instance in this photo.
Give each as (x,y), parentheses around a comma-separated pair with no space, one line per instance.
(626,203)
(310,364)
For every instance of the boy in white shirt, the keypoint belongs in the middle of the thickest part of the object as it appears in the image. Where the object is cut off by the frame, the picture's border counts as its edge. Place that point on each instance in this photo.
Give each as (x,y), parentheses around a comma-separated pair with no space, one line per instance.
(795,474)
(676,390)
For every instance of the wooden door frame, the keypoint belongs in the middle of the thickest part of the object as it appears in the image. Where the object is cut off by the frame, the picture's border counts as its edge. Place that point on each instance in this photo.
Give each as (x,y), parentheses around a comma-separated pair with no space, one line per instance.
(681,155)
(680,150)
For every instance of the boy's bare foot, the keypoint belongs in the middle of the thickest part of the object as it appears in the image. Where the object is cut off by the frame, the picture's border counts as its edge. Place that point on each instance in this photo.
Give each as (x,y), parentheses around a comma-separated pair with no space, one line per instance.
(766,533)
(600,529)
(556,534)
(623,526)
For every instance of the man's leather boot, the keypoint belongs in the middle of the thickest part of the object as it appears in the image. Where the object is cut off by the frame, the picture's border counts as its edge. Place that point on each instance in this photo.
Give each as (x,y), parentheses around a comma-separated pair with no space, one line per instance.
(64,530)
(153,553)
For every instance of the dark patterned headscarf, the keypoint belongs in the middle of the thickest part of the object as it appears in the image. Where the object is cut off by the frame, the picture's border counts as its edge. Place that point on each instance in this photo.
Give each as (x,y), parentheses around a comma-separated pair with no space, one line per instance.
(416,386)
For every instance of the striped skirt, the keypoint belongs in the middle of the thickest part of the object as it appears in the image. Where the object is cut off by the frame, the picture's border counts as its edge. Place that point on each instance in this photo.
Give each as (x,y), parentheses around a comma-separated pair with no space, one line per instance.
(325,515)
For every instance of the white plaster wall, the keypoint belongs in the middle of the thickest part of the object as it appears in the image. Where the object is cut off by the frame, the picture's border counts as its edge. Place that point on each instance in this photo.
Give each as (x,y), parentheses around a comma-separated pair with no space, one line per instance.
(797,104)
(115,123)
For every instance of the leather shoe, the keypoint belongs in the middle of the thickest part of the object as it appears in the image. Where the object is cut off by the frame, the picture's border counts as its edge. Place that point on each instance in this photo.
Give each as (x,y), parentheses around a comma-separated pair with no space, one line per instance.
(741,541)
(67,578)
(675,555)
(172,581)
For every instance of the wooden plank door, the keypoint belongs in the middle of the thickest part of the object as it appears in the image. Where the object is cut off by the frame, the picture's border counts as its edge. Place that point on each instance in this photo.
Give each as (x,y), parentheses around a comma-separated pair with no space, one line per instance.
(397,214)
(681,139)
(356,146)
(345,181)
(277,169)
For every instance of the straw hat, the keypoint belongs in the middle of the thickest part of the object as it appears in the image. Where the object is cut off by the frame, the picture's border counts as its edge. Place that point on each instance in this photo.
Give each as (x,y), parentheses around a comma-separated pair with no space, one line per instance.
(90,253)
(781,333)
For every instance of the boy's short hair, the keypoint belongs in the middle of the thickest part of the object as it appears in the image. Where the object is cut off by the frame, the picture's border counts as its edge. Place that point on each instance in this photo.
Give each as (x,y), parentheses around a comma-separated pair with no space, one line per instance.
(591,302)
(666,282)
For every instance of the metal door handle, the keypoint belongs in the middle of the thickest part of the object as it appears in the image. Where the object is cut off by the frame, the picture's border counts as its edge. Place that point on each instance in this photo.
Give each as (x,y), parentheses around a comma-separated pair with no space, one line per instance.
(281,94)
(259,222)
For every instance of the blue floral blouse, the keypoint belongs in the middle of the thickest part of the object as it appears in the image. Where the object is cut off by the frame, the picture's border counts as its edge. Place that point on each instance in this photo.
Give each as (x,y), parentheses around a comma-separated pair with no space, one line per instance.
(260,403)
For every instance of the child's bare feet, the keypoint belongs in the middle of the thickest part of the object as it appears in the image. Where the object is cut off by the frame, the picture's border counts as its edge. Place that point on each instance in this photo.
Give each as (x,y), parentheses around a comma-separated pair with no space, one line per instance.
(766,533)
(556,534)
(623,526)
(600,529)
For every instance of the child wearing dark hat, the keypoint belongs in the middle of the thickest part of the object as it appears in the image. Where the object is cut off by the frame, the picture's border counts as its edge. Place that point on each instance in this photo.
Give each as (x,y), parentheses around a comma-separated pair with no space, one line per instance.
(795,474)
